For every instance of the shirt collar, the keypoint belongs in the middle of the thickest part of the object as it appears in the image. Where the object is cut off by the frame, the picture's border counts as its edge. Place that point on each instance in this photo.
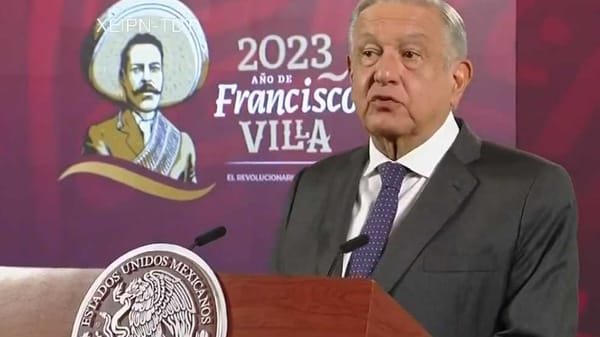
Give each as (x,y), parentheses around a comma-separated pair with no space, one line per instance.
(423,159)
(139,119)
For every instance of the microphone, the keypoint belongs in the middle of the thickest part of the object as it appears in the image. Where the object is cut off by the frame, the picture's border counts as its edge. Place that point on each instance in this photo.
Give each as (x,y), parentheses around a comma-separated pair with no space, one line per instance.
(347,247)
(208,237)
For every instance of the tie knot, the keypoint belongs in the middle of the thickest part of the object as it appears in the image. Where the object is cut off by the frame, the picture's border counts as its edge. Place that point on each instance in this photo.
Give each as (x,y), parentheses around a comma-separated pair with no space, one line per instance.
(391,174)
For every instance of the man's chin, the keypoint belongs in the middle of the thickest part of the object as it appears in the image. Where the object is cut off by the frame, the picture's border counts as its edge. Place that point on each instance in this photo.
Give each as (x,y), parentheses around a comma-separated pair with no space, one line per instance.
(390,130)
(145,107)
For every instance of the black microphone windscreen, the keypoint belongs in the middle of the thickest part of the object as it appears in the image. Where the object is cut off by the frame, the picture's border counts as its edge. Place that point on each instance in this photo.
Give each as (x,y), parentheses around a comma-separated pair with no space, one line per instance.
(347,247)
(210,236)
(354,243)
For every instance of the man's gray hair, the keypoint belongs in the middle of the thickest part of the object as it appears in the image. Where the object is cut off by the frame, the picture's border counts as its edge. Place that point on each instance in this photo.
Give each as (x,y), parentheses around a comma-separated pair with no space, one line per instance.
(455,26)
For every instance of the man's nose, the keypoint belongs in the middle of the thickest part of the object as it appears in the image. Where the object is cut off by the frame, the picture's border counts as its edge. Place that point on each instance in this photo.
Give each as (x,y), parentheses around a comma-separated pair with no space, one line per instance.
(388,69)
(147,76)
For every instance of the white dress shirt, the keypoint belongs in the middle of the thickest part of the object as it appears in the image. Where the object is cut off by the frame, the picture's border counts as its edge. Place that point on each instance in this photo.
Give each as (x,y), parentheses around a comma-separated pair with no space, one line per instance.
(145,123)
(421,162)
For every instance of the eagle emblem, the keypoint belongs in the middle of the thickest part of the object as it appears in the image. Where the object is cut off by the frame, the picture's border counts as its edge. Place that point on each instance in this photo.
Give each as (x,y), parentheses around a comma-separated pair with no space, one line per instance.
(155,302)
(159,290)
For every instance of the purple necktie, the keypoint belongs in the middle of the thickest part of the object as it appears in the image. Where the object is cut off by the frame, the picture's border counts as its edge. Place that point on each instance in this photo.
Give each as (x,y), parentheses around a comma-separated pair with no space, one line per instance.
(379,222)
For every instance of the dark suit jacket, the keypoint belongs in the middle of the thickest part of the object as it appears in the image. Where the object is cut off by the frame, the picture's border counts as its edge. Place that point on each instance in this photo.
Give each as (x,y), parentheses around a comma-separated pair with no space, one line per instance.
(488,249)
(121,137)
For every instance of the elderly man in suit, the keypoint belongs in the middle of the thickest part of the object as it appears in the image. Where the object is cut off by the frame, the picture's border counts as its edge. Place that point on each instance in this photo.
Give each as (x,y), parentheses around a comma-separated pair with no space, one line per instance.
(140,133)
(472,238)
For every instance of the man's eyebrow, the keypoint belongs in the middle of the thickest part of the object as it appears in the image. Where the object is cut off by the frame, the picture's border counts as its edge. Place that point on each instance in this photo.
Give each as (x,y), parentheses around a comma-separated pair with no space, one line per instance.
(366,36)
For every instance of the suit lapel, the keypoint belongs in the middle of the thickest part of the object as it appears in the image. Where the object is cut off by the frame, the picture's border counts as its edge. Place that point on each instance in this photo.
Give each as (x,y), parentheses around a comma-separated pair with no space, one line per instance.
(338,214)
(447,189)
(134,138)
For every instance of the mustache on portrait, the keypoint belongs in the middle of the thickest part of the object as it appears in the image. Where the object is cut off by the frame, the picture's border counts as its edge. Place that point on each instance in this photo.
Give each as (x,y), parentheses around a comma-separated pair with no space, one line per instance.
(146,88)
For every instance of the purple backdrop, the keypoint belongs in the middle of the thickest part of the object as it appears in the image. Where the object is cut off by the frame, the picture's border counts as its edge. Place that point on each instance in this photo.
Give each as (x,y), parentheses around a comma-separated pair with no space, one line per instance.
(88,220)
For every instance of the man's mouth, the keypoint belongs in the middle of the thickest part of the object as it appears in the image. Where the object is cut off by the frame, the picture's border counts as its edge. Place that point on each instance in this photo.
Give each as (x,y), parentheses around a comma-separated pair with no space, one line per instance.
(383,99)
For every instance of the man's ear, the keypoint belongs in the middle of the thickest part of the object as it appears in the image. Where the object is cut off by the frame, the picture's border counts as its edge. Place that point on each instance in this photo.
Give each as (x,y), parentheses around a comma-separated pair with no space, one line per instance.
(463,72)
(349,66)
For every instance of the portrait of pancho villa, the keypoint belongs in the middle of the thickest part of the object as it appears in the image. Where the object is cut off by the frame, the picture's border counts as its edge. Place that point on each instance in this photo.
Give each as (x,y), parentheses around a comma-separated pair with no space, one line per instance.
(147,56)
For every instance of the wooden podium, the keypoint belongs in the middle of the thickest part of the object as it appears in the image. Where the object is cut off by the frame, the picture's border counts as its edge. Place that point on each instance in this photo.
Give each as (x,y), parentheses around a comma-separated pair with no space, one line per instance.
(44,302)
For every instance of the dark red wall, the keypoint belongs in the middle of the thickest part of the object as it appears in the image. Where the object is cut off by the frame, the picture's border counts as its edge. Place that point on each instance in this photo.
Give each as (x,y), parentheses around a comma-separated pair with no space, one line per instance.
(558,115)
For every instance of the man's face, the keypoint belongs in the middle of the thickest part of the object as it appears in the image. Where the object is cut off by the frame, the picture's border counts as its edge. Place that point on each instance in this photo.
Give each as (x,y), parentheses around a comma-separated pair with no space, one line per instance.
(402,81)
(142,78)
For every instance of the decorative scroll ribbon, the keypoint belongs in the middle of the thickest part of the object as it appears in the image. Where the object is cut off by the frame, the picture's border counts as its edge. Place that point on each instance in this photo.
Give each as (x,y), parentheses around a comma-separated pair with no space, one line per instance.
(136,181)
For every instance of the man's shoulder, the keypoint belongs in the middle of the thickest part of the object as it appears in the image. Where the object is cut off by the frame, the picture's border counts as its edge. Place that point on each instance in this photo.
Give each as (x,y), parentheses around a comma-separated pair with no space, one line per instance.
(186,139)
(106,125)
(187,145)
(517,163)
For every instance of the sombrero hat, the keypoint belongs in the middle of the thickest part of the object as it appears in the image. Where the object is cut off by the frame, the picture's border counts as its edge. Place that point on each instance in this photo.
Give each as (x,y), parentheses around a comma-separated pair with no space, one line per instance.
(185,51)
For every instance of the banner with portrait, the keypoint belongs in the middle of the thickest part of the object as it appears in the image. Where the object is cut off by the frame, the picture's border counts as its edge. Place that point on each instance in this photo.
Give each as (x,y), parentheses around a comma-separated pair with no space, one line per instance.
(237,97)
